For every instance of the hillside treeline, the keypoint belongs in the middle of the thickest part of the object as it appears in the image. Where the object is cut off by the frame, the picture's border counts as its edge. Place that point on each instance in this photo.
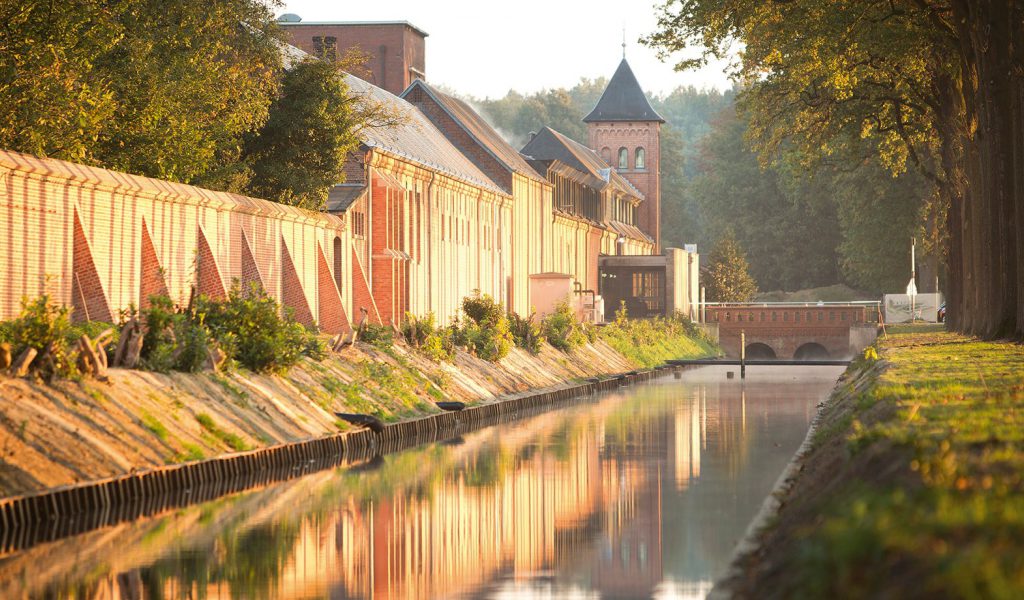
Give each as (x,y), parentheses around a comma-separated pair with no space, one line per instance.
(800,227)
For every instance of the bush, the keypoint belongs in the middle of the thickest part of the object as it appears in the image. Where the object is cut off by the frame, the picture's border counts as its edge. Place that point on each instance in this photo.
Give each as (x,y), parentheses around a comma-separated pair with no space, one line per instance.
(435,343)
(563,331)
(381,336)
(174,339)
(44,326)
(527,333)
(250,328)
(486,329)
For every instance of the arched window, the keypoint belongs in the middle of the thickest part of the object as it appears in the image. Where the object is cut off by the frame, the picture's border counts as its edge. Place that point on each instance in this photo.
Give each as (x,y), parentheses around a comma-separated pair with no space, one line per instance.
(606,154)
(623,159)
(641,159)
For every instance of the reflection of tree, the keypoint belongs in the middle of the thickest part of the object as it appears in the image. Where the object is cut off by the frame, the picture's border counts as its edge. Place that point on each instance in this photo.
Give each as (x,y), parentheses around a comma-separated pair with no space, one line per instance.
(249,562)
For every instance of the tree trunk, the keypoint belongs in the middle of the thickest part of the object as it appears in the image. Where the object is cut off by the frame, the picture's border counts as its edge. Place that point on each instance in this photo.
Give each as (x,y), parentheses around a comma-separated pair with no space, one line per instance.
(994,160)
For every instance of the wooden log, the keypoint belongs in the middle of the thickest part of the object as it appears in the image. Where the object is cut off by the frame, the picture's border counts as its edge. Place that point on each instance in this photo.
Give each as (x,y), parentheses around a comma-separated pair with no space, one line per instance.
(122,344)
(133,348)
(24,361)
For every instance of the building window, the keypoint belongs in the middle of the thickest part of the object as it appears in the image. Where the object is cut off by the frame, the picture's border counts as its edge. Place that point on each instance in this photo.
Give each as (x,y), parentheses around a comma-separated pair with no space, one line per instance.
(325,47)
(640,161)
(358,224)
(623,159)
(606,154)
(337,262)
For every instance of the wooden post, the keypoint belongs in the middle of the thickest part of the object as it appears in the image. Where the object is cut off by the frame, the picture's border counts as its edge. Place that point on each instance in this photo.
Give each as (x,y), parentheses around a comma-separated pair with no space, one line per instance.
(743,354)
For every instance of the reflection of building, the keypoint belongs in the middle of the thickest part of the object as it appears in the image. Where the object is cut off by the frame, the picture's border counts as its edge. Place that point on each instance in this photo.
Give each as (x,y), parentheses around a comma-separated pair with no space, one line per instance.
(613,499)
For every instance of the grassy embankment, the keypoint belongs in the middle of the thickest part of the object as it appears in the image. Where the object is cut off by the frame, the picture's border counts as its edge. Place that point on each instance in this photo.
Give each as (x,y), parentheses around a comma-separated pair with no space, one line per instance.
(649,343)
(78,429)
(914,486)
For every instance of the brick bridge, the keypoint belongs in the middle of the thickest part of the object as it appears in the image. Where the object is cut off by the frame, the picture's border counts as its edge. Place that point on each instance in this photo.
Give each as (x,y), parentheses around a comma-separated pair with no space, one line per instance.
(793,331)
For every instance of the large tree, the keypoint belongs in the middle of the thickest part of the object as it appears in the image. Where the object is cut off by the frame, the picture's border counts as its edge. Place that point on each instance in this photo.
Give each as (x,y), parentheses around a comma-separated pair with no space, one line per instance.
(937,84)
(299,153)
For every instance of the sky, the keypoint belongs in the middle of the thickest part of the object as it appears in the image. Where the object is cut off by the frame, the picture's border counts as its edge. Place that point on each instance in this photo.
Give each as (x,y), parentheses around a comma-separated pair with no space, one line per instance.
(484,49)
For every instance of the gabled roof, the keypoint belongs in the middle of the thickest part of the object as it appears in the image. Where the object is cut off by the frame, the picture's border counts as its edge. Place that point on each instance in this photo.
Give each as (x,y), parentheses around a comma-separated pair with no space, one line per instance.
(623,100)
(343,195)
(549,145)
(478,129)
(416,138)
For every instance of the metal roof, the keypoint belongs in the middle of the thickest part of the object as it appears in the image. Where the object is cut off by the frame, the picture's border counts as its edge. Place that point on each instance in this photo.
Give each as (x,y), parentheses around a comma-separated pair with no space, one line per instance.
(623,100)
(548,144)
(416,138)
(478,129)
(343,195)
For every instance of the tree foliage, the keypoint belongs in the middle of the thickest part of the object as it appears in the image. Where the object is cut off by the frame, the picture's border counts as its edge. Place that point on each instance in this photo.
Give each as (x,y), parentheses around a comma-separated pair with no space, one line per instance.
(929,83)
(147,87)
(165,90)
(728,278)
(299,153)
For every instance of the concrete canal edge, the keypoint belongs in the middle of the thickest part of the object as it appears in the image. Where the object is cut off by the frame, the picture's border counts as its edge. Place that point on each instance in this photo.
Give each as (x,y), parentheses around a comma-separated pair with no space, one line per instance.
(850,383)
(30,519)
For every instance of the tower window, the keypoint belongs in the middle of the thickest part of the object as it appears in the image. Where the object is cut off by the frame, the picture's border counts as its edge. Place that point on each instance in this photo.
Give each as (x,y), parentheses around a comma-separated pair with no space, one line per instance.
(641,160)
(623,159)
(606,154)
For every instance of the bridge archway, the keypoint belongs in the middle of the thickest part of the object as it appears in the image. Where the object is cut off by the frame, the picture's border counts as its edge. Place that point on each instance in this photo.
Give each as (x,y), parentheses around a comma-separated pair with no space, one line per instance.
(811,351)
(759,351)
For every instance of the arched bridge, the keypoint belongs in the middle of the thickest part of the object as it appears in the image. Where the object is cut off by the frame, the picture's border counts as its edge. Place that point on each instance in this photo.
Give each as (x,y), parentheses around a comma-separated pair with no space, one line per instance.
(794,331)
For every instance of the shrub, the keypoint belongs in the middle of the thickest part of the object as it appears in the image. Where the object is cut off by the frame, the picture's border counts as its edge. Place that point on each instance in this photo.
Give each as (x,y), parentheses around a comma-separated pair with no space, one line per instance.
(250,328)
(381,336)
(174,339)
(563,331)
(486,329)
(44,326)
(436,343)
(527,333)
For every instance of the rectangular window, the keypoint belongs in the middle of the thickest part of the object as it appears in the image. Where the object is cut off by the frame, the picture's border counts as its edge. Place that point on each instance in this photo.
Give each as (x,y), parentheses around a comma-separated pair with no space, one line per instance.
(325,47)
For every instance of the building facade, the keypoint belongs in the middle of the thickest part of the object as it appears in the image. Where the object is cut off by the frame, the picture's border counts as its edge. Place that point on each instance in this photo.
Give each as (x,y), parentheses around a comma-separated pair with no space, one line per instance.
(394,51)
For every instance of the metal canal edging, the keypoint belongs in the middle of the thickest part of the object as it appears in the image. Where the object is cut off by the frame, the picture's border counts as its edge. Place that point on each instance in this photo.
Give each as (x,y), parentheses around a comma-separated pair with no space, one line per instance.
(30,519)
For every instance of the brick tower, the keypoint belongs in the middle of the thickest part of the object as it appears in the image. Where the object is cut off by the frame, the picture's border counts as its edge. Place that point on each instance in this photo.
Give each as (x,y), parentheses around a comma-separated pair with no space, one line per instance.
(626,130)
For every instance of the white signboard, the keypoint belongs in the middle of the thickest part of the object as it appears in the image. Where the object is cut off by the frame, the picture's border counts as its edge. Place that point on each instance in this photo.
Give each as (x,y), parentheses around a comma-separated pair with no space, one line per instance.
(926,307)
(911,288)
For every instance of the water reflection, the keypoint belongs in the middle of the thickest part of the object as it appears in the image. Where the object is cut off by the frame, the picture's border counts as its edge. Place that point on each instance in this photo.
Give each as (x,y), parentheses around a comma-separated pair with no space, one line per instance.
(638,493)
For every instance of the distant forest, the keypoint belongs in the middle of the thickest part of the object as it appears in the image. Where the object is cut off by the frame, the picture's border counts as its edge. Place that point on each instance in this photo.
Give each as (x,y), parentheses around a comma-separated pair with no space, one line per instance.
(842,223)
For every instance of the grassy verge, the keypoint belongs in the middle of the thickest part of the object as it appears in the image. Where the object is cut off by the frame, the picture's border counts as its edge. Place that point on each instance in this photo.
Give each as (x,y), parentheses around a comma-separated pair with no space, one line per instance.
(940,511)
(650,342)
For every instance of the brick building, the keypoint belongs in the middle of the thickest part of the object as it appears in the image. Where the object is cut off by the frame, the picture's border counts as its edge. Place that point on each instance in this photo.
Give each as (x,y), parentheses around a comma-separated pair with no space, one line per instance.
(432,209)
(395,50)
(626,131)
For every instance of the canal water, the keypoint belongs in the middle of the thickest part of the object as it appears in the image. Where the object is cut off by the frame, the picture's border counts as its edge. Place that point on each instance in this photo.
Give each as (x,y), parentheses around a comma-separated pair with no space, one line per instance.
(636,493)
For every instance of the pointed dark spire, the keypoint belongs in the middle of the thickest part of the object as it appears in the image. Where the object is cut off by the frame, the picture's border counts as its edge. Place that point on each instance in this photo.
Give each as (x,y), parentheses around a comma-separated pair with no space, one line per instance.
(623,99)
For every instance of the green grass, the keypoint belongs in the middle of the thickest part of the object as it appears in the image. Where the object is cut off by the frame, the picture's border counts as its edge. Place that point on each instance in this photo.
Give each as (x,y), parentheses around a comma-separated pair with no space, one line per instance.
(953,527)
(650,342)
(234,441)
(155,426)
